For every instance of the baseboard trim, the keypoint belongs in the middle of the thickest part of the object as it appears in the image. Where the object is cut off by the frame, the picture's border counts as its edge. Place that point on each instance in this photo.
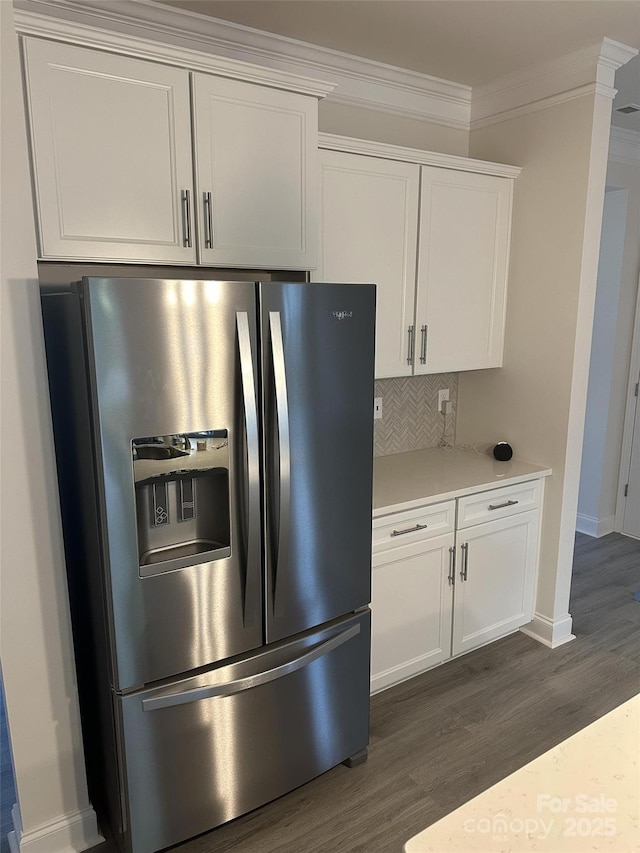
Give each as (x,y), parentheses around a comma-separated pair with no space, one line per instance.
(550,632)
(404,671)
(70,833)
(595,527)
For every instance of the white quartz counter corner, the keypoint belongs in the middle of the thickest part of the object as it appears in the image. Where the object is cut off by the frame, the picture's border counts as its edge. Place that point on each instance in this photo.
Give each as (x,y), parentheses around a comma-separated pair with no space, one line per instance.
(578,797)
(407,480)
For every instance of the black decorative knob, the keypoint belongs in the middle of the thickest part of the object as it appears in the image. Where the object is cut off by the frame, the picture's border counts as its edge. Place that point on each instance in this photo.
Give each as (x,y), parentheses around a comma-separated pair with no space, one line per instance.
(503,451)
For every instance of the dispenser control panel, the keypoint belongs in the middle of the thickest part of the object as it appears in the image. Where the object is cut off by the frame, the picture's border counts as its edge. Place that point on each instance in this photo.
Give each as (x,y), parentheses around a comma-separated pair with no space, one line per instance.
(182,499)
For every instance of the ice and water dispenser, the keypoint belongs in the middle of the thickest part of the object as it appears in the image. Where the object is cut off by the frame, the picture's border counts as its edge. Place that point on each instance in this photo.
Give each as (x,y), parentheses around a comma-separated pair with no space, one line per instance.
(182,499)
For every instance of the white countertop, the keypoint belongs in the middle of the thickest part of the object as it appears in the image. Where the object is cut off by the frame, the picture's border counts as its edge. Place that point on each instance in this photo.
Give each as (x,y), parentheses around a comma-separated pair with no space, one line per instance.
(580,796)
(408,480)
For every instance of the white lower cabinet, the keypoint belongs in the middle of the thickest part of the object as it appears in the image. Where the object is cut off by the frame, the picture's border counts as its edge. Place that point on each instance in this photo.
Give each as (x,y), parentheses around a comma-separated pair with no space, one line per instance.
(495,578)
(411,598)
(440,591)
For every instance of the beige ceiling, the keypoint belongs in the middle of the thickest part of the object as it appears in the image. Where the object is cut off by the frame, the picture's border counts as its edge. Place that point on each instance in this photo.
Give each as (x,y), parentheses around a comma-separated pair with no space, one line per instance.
(467,41)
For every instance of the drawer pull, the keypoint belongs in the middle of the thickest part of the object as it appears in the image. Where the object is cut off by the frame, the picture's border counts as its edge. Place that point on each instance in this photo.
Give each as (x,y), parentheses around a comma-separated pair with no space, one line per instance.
(502,506)
(409,530)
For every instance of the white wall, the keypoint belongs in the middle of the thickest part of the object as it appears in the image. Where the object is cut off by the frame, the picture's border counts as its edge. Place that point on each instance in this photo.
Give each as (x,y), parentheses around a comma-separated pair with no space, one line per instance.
(537,400)
(600,489)
(35,640)
(392,129)
(601,449)
(35,637)
(624,175)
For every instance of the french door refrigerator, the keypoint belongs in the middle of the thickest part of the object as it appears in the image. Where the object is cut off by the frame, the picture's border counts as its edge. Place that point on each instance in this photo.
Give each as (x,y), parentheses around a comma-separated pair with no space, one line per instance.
(214,445)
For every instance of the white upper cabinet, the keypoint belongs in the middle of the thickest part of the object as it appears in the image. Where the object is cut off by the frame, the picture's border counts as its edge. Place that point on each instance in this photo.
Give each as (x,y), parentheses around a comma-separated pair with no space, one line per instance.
(114,162)
(255,155)
(368,233)
(462,270)
(111,153)
(442,286)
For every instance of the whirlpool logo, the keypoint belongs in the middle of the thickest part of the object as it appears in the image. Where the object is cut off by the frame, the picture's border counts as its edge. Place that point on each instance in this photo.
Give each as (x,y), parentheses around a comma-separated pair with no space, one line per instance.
(342,315)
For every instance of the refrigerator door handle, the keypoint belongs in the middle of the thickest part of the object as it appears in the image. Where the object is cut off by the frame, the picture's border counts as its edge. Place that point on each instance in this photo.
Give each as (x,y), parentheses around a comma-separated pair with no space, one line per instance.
(282,414)
(196,694)
(253,464)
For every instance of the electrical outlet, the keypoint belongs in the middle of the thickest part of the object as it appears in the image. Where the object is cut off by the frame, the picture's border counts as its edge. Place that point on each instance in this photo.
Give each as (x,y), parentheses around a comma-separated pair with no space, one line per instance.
(377,408)
(443,397)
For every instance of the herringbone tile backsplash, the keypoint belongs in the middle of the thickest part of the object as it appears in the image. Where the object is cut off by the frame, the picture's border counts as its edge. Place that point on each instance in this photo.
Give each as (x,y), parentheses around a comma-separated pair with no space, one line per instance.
(410,418)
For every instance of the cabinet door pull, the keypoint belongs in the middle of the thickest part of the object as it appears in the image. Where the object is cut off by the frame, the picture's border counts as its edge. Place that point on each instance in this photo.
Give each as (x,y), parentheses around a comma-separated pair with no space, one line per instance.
(502,506)
(409,530)
(186,218)
(208,221)
(465,561)
(423,345)
(410,345)
(452,566)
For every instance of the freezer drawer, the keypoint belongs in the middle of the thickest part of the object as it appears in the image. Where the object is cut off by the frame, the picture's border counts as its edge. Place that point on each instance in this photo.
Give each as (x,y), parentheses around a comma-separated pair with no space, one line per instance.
(203,750)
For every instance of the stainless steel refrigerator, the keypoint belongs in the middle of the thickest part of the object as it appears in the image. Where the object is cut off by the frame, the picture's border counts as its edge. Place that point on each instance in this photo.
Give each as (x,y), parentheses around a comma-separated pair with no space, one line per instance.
(214,448)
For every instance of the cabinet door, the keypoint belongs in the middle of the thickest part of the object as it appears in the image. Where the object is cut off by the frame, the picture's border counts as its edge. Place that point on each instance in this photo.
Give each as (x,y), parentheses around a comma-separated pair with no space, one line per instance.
(111,143)
(411,601)
(494,595)
(256,174)
(462,270)
(368,233)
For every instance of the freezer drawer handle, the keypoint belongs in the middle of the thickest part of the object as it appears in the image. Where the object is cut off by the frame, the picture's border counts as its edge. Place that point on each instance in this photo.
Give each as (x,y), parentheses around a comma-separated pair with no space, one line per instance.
(502,506)
(214,690)
(253,471)
(409,530)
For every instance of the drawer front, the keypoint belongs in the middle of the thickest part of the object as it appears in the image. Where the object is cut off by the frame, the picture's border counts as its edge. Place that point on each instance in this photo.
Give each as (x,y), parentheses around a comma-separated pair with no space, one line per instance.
(205,750)
(498,503)
(401,528)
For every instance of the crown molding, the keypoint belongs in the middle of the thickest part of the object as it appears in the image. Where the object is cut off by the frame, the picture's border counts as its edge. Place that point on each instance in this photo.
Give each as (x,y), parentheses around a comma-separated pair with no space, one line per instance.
(553,100)
(178,37)
(148,30)
(350,145)
(613,55)
(624,146)
(591,69)
(34,23)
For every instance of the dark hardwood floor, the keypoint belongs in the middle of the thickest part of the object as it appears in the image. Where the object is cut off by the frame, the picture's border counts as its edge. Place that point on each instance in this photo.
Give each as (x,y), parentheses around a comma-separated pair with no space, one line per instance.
(443,737)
